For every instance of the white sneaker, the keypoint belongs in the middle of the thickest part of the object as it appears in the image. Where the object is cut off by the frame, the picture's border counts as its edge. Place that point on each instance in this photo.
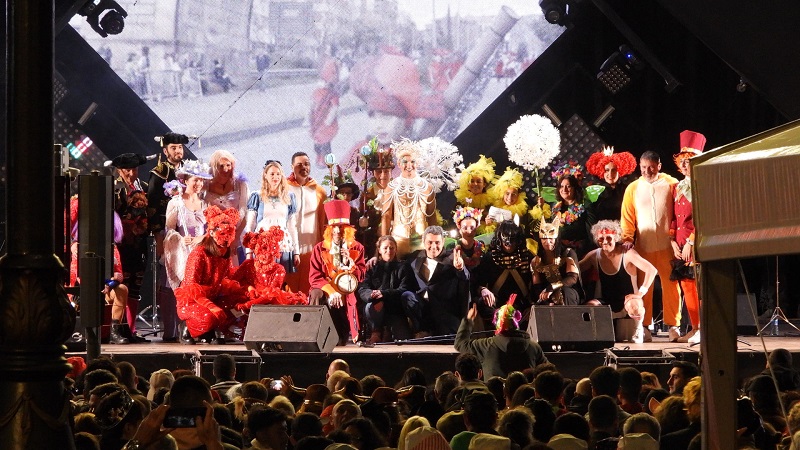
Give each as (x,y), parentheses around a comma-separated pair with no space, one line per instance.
(695,339)
(638,335)
(674,334)
(687,336)
(648,336)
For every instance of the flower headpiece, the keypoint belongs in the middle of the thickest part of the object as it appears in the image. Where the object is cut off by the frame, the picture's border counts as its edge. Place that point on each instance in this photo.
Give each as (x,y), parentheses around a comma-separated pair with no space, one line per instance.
(568,168)
(265,242)
(377,157)
(194,168)
(483,168)
(625,162)
(507,317)
(221,220)
(173,188)
(462,213)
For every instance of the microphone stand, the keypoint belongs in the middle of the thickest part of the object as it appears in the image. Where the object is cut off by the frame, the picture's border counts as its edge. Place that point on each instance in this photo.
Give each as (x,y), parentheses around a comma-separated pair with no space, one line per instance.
(154,325)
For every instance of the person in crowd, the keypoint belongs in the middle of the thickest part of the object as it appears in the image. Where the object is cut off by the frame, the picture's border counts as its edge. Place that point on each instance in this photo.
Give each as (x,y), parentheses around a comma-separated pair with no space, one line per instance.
(207,293)
(474,184)
(185,223)
(364,434)
(130,202)
(642,423)
(276,205)
(410,205)
(679,440)
(440,286)
(630,387)
(510,349)
(556,278)
(682,228)
(268,428)
(573,209)
(172,145)
(617,273)
(384,292)
(603,422)
(647,212)
(680,374)
(468,220)
(611,168)
(310,218)
(228,189)
(779,362)
(337,267)
(505,270)
(223,368)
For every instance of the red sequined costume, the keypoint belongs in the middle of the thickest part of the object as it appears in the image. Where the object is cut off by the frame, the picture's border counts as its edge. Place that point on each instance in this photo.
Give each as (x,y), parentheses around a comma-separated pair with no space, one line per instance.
(209,290)
(262,274)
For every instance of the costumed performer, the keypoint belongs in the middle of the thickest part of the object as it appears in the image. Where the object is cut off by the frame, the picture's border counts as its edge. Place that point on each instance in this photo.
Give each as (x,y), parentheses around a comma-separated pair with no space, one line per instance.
(115,291)
(381,162)
(467,221)
(310,218)
(505,270)
(507,194)
(510,349)
(617,271)
(692,144)
(337,266)
(130,202)
(556,278)
(474,183)
(185,224)
(573,209)
(208,293)
(228,189)
(275,205)
(647,212)
(262,274)
(611,168)
(410,206)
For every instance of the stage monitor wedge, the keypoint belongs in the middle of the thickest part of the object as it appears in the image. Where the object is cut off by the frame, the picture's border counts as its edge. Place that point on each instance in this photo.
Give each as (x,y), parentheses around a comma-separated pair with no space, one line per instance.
(290,329)
(571,328)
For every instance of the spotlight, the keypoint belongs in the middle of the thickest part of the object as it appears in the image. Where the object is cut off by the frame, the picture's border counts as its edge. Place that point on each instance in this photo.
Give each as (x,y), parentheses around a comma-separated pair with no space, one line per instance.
(741,86)
(555,11)
(104,16)
(620,69)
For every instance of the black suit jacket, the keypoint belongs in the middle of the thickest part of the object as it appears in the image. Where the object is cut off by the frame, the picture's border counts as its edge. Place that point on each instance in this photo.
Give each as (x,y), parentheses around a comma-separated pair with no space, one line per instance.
(448,292)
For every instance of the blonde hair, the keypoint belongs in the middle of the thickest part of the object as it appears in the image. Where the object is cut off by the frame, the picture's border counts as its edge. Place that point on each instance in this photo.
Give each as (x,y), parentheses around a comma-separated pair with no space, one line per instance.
(218,156)
(411,424)
(283,186)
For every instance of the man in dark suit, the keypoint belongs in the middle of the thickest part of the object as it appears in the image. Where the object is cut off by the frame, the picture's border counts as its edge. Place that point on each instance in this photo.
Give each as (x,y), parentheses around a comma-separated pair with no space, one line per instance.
(440,288)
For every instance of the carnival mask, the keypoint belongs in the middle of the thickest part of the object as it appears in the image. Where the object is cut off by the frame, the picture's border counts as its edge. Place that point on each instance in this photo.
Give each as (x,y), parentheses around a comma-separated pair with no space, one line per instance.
(549,230)
(222,224)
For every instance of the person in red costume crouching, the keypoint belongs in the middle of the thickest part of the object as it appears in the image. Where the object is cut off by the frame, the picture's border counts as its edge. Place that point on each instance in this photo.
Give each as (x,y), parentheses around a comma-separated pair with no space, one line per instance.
(262,274)
(209,290)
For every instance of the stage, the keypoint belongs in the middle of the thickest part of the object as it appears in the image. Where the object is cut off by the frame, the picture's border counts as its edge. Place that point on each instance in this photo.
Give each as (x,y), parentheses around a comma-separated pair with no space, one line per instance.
(390,360)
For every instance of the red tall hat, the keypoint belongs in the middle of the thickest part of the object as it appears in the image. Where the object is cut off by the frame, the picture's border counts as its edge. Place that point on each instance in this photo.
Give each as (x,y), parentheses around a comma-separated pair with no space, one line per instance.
(338,212)
(692,142)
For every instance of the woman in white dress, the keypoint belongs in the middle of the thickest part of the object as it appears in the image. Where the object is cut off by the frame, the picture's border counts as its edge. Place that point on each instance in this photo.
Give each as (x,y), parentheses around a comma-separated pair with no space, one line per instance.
(228,189)
(275,205)
(185,222)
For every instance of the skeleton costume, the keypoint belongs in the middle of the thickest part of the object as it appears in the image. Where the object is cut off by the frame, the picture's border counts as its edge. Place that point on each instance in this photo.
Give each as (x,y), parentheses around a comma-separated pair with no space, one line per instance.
(550,270)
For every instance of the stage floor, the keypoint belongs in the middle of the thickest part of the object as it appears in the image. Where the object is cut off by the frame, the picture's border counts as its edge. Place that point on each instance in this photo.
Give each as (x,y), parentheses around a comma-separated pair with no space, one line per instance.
(390,360)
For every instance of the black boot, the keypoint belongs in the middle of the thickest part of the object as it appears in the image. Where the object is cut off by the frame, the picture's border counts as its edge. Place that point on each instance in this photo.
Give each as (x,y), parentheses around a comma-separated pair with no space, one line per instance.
(219,338)
(186,337)
(116,335)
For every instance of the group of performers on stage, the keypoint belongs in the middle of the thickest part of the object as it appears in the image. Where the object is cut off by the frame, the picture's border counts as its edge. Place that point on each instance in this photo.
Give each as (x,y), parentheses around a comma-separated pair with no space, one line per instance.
(387,269)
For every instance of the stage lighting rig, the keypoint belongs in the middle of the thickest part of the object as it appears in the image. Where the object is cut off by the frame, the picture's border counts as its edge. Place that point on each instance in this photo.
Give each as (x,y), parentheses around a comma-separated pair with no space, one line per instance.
(104,16)
(555,11)
(620,69)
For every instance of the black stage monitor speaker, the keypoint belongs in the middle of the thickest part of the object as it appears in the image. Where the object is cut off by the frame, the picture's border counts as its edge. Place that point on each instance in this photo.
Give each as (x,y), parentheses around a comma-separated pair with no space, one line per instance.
(746,325)
(290,329)
(564,328)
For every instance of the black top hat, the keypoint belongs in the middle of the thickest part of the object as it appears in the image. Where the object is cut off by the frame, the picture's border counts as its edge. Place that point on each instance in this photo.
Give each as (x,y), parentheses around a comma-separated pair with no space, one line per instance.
(173,138)
(128,161)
